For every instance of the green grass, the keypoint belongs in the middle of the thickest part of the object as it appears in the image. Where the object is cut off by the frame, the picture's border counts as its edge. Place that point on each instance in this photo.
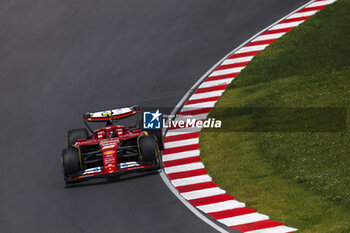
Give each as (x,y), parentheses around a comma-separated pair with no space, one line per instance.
(300,177)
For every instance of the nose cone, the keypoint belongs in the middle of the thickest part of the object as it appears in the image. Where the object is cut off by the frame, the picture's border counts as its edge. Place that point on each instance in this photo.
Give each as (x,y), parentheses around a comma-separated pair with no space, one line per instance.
(109,152)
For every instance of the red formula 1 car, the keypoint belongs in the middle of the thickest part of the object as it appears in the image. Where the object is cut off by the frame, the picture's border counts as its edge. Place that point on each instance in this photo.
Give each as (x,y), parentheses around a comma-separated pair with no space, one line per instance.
(113,149)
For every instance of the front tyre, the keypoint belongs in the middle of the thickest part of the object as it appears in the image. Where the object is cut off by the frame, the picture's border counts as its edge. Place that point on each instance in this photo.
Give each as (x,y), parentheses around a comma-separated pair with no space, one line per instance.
(70,162)
(158,133)
(148,149)
(74,134)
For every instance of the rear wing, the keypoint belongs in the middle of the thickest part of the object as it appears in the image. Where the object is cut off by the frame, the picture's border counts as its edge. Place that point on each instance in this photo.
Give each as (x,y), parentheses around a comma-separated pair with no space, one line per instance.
(112,114)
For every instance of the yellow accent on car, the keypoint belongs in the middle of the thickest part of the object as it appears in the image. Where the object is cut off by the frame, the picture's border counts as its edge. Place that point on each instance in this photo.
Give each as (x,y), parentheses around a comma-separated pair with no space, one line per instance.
(106,113)
(79,156)
(109,152)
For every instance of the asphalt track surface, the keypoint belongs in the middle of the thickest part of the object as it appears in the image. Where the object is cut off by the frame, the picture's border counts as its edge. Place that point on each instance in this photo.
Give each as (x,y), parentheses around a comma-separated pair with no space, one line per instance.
(60,58)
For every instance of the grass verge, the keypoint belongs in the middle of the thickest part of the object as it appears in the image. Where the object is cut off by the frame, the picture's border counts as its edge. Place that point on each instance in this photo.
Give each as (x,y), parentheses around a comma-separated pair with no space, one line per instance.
(301,176)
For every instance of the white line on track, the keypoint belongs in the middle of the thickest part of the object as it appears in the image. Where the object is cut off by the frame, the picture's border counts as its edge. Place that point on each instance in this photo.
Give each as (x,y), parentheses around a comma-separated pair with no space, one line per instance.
(186,142)
(191,180)
(244,219)
(203,193)
(320,3)
(269,37)
(278,229)
(252,48)
(228,71)
(206,95)
(202,105)
(302,14)
(220,206)
(188,108)
(287,25)
(184,168)
(181,155)
(237,60)
(216,82)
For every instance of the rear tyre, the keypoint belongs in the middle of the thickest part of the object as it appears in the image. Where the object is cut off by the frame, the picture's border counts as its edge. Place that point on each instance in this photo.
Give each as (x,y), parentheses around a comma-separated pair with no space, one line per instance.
(74,134)
(148,149)
(70,161)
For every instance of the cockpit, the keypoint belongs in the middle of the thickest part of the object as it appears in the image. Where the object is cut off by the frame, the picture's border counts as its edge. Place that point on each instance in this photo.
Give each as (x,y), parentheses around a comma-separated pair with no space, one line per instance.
(110,132)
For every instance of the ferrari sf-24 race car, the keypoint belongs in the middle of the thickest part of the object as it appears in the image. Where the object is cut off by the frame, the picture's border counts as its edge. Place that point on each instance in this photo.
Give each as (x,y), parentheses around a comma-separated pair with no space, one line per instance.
(113,149)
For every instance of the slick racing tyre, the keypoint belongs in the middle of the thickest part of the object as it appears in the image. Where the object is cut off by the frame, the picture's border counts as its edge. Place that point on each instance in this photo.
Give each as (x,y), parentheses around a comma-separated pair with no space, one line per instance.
(148,149)
(74,134)
(158,133)
(70,161)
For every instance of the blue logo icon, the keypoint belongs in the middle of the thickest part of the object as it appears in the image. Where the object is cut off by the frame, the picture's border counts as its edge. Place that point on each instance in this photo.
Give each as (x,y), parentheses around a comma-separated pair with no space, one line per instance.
(152,120)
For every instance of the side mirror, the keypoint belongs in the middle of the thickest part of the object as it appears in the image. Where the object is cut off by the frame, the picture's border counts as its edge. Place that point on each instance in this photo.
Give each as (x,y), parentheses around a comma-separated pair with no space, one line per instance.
(81,140)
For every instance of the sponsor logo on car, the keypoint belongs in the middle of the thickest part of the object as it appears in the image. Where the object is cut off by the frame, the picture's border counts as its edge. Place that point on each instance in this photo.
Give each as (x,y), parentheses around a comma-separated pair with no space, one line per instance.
(118,111)
(110,142)
(92,170)
(109,146)
(110,152)
(109,160)
(129,164)
(107,113)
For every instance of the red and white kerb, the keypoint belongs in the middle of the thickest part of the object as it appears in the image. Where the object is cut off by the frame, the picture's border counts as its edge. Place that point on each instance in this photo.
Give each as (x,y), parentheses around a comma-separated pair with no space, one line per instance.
(181,156)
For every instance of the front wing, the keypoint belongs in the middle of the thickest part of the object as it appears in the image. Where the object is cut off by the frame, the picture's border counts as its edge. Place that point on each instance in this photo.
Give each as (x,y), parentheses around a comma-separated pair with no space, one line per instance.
(99,172)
